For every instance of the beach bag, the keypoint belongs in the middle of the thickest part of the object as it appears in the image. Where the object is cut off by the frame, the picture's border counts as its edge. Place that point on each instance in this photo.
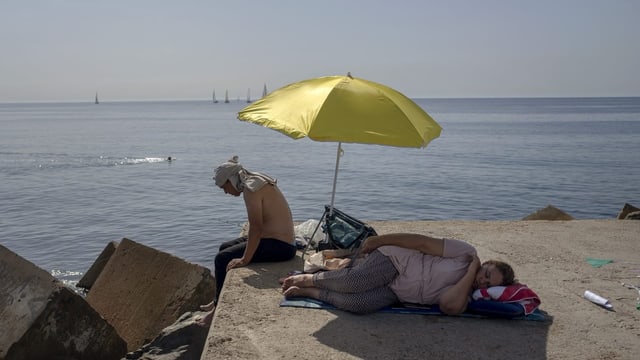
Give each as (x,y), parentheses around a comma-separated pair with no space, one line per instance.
(328,260)
(342,230)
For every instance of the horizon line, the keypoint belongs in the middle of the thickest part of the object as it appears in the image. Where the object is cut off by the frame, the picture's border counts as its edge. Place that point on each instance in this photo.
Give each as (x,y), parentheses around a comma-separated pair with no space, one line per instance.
(244,101)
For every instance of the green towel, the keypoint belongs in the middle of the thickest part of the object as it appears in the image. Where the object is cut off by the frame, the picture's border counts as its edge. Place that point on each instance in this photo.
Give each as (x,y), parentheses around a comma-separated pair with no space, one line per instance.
(598,262)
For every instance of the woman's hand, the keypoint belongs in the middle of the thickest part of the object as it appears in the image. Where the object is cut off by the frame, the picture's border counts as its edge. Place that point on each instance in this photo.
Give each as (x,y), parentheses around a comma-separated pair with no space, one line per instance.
(236,263)
(475,264)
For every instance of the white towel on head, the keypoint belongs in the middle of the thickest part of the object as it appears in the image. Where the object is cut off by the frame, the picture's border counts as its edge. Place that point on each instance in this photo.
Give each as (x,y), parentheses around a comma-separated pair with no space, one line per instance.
(240,177)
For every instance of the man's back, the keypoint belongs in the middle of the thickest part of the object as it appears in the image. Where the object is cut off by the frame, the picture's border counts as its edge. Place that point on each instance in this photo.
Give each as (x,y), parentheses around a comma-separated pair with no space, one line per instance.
(277,222)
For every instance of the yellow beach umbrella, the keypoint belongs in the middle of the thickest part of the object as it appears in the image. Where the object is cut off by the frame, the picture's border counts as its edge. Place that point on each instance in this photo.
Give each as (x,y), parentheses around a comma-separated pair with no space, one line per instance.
(344,109)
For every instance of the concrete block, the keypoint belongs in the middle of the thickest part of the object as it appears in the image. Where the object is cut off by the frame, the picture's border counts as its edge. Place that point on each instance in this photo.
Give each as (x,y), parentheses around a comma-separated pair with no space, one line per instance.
(141,291)
(42,319)
(96,268)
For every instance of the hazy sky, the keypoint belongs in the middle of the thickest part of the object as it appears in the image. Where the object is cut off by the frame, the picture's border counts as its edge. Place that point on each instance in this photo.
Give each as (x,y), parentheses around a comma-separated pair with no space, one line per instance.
(66,50)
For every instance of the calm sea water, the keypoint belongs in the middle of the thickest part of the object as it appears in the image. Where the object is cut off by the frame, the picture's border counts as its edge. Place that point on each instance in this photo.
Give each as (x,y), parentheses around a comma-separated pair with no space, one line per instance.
(75,176)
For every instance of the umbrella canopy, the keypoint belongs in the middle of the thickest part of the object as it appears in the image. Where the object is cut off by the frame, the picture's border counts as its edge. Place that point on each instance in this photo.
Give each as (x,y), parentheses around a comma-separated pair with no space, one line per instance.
(344,109)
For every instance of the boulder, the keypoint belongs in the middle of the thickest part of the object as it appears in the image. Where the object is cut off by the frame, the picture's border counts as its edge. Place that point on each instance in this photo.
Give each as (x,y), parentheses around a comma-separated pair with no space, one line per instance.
(626,210)
(42,319)
(140,291)
(549,213)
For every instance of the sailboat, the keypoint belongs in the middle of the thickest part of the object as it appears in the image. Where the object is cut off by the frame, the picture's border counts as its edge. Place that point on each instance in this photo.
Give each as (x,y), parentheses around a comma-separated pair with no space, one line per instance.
(264,90)
(248,95)
(214,97)
(97,102)
(226,96)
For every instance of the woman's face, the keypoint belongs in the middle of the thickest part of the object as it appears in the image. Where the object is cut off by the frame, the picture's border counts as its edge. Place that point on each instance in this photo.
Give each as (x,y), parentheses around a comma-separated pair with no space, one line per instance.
(488,276)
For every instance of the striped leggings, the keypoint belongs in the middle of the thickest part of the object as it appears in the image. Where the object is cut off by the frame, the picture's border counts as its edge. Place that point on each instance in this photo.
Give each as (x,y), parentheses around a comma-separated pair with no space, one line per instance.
(361,288)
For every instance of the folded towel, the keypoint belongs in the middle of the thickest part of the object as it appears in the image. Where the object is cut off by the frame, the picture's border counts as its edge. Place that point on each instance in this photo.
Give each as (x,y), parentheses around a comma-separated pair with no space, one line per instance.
(516,293)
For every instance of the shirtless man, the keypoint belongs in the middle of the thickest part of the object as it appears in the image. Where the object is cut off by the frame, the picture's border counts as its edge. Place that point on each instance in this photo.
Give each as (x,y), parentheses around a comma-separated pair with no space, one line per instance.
(271,235)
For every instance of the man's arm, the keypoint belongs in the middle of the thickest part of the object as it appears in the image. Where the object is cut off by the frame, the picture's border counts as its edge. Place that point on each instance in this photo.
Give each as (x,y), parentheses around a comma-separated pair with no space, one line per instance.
(253,203)
(454,300)
(423,243)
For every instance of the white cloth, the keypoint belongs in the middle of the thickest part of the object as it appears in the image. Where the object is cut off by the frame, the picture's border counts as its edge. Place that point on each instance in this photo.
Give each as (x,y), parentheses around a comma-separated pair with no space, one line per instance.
(240,177)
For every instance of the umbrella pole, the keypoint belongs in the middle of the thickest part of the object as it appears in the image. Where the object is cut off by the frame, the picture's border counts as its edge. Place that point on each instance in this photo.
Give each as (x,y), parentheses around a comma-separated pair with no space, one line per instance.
(335,176)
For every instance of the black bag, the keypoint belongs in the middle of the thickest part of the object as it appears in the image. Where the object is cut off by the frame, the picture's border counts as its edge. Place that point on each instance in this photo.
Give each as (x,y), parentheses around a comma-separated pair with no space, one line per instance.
(343,231)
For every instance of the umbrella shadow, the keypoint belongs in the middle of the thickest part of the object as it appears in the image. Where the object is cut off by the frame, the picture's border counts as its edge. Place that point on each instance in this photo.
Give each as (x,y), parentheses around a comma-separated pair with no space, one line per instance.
(402,336)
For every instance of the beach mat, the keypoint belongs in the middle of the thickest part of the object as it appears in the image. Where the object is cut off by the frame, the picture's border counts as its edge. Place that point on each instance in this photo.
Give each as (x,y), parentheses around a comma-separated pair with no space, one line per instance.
(478,312)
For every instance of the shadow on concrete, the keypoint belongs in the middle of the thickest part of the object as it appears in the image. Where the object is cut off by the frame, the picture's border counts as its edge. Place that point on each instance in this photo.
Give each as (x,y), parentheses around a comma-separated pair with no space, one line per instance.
(403,336)
(267,274)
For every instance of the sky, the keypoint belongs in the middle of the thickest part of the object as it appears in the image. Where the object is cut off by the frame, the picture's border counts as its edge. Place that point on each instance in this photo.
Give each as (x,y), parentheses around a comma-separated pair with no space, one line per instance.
(67,50)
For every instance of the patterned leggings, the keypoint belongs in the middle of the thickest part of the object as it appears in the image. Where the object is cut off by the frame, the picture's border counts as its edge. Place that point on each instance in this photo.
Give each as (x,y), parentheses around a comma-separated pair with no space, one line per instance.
(361,288)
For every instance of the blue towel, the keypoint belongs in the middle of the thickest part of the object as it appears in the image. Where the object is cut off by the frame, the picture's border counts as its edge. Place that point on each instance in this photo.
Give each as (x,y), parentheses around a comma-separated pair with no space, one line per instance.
(475,309)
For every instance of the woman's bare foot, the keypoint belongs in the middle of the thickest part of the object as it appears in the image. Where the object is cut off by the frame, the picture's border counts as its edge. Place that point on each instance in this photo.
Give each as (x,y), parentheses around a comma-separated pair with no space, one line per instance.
(205,320)
(208,307)
(301,281)
(294,291)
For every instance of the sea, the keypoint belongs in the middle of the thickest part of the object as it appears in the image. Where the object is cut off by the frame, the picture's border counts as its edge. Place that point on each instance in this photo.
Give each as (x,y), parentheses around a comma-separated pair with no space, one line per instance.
(76,176)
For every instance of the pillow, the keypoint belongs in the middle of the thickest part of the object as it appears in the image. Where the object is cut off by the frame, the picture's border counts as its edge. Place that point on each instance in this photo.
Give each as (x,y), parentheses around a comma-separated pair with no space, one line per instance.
(495,309)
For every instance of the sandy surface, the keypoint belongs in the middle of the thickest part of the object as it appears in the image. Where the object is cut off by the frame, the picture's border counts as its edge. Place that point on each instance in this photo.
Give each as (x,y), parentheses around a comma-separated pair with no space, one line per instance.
(549,256)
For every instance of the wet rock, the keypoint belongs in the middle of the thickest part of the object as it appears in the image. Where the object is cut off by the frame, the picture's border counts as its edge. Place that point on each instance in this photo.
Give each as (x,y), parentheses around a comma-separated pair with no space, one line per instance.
(626,210)
(549,213)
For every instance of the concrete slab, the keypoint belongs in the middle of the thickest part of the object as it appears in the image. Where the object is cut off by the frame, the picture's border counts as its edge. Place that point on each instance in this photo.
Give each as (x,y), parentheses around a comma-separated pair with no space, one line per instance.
(549,256)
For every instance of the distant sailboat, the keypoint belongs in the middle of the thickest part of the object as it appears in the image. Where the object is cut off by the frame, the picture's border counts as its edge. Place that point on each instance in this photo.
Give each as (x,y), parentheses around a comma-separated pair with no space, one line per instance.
(214,97)
(248,95)
(226,96)
(97,102)
(264,90)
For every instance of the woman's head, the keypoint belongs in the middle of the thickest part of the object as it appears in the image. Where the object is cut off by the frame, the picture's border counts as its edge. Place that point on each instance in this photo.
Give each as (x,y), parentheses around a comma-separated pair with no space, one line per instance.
(494,273)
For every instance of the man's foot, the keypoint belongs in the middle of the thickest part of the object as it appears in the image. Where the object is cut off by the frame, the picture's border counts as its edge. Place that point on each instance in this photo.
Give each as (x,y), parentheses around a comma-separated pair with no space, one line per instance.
(208,307)
(205,321)
(302,280)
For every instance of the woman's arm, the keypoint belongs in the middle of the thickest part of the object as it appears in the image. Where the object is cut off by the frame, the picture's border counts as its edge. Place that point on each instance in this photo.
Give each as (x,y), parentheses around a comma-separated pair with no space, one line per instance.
(454,300)
(423,243)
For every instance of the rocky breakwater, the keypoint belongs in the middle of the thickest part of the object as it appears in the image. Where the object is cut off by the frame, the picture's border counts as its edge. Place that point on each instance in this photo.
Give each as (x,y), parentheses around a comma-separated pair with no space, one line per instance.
(136,296)
(42,319)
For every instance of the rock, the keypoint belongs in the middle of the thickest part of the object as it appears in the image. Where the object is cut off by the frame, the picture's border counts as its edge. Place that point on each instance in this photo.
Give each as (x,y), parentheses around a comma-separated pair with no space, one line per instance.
(549,213)
(42,319)
(633,216)
(141,291)
(94,271)
(183,340)
(626,210)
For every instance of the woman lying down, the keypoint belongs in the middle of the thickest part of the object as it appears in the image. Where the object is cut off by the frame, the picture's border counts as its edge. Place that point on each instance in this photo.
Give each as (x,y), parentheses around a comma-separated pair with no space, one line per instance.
(407,268)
